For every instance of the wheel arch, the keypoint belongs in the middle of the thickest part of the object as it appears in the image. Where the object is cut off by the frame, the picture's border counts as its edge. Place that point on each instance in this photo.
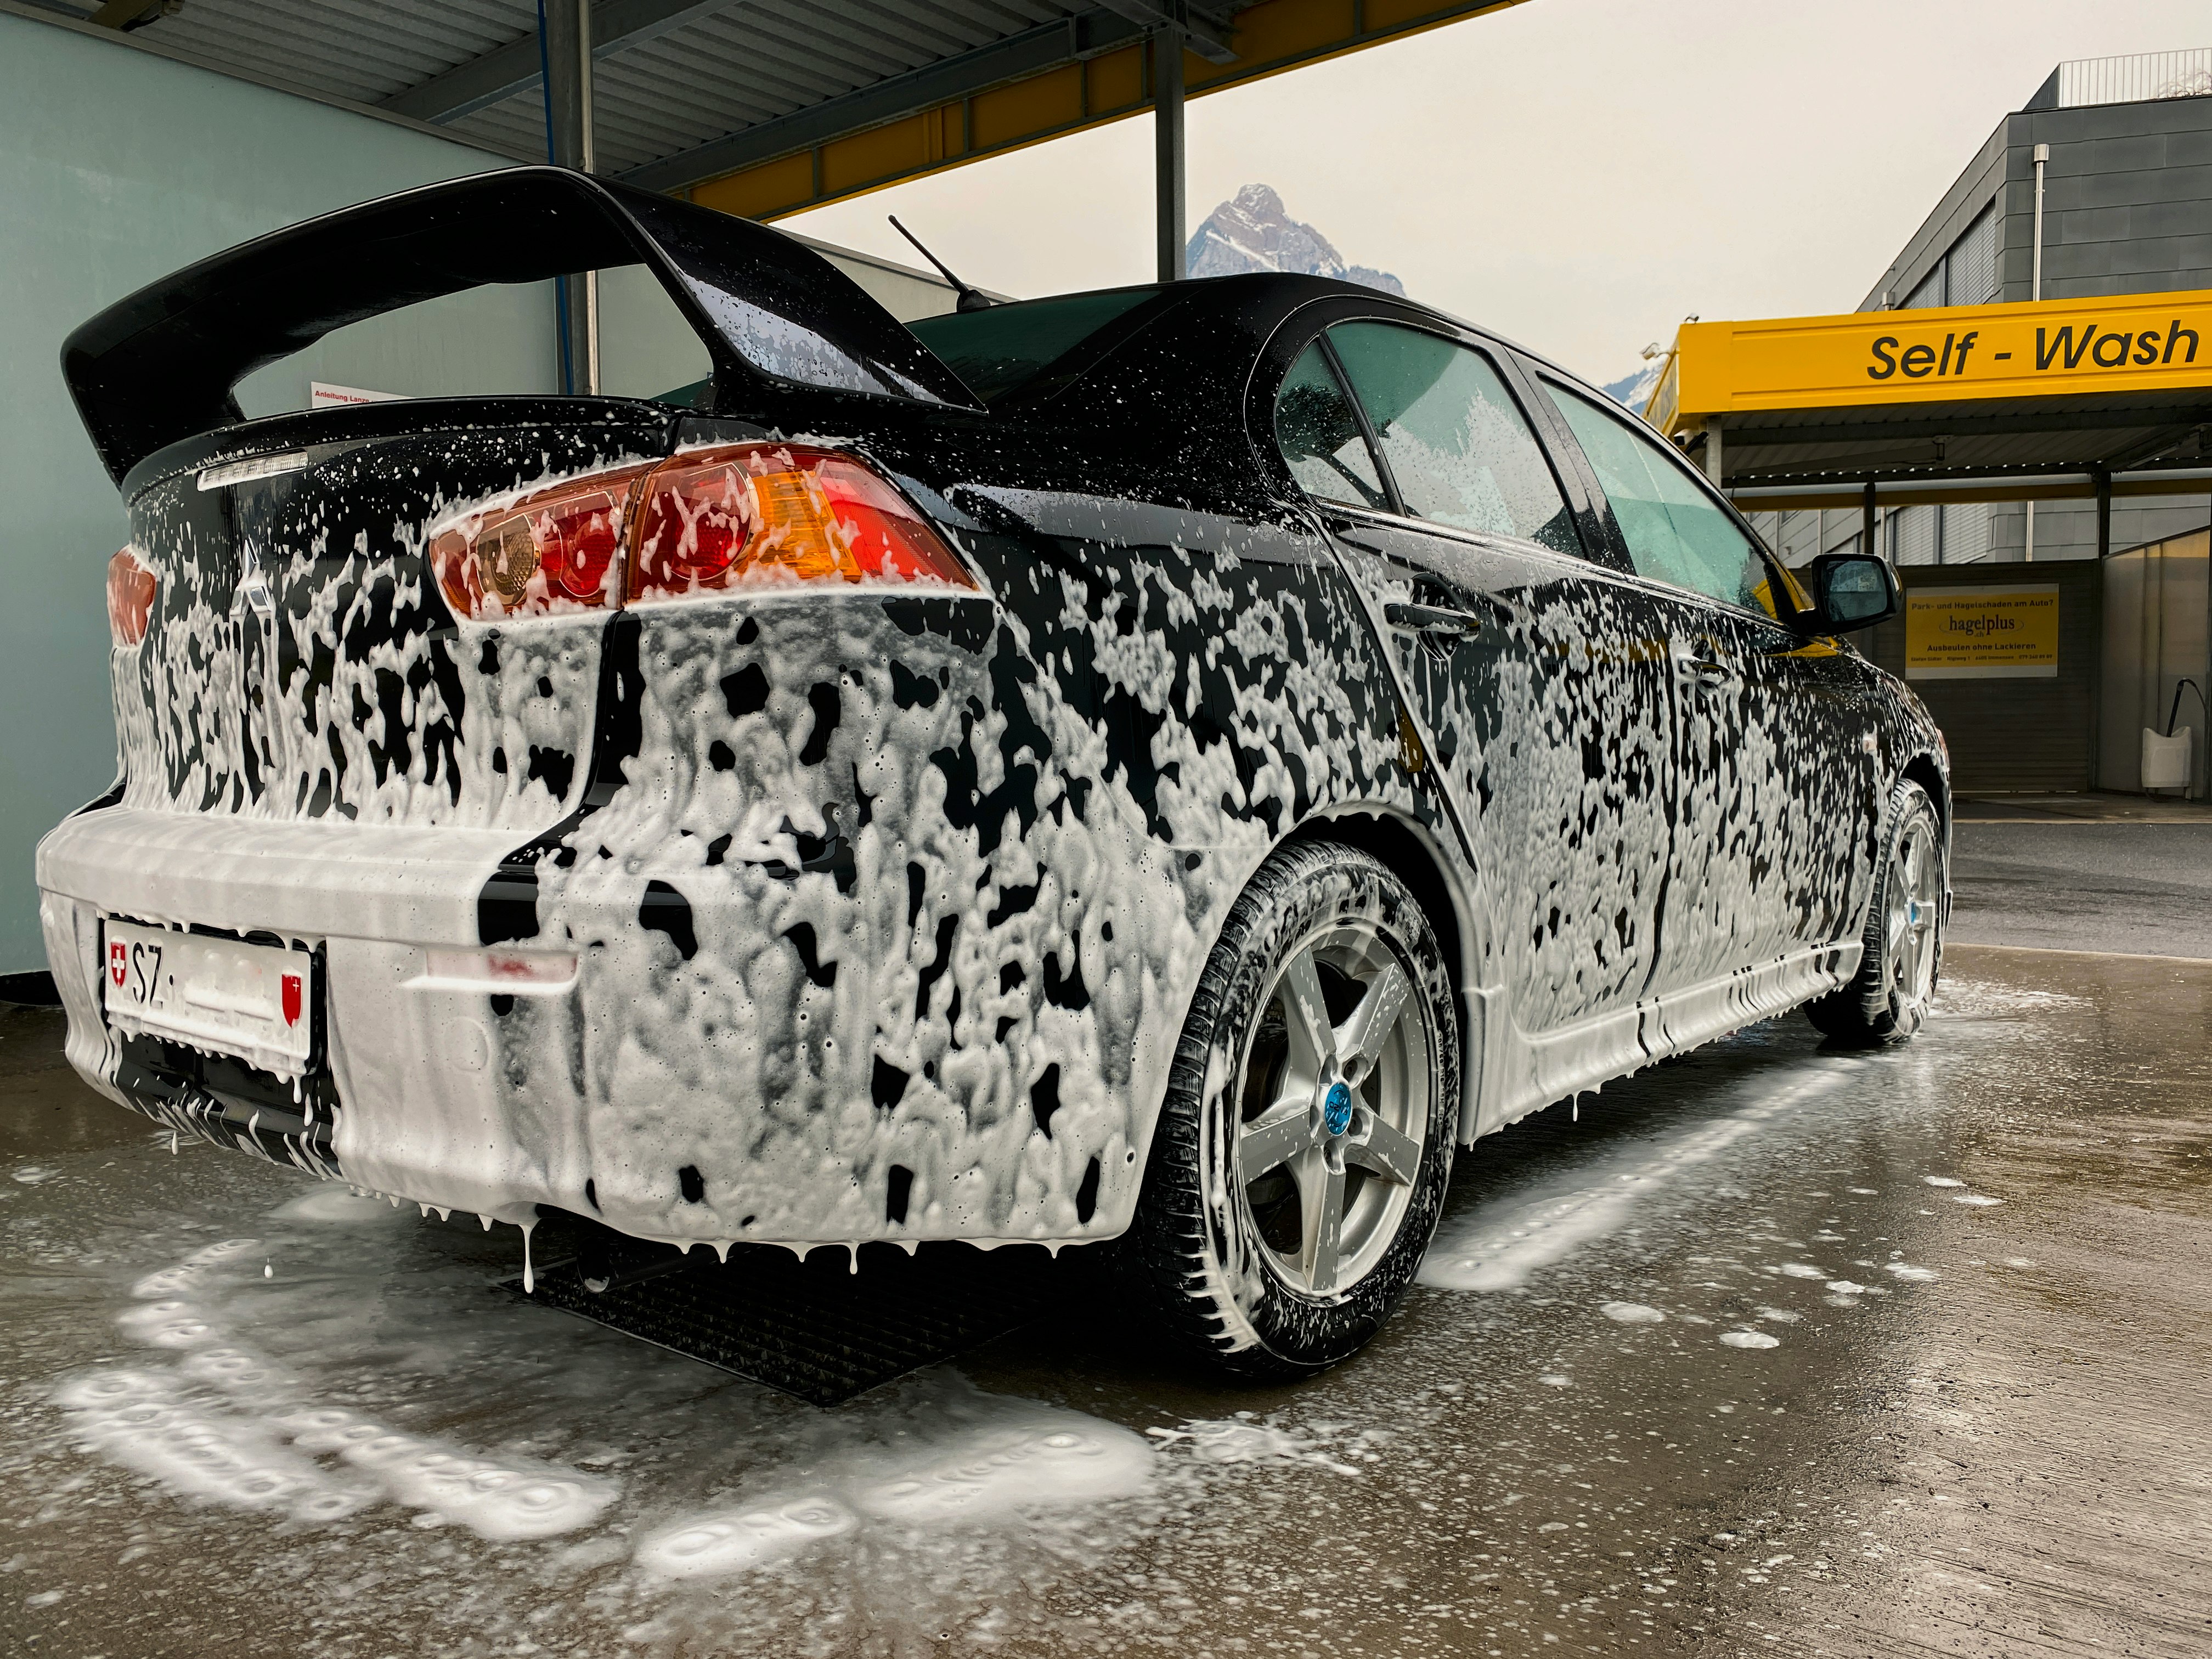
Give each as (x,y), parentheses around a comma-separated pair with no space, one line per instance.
(1924,770)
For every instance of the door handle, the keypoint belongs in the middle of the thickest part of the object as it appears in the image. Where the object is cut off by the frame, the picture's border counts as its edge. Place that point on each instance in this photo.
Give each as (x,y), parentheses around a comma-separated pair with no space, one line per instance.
(1440,622)
(1703,673)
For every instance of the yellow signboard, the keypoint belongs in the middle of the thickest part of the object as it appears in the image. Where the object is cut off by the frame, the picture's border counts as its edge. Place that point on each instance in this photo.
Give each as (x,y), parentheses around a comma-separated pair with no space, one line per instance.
(2121,343)
(1982,633)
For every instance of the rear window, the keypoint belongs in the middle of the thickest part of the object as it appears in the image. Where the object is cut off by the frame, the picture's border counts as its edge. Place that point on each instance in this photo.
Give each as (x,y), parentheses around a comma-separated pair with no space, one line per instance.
(996,350)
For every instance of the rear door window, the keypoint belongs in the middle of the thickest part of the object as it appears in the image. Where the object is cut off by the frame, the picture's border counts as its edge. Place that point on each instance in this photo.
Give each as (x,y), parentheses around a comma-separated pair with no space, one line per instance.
(1456,443)
(1319,434)
(1675,530)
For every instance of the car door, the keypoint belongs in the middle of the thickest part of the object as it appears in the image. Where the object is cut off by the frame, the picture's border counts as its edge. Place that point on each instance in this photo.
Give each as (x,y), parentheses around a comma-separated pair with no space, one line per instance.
(1533,673)
(1776,781)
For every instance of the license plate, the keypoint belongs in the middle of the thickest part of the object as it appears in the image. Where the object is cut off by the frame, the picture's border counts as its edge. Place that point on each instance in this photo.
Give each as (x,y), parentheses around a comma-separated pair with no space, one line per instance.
(254,1001)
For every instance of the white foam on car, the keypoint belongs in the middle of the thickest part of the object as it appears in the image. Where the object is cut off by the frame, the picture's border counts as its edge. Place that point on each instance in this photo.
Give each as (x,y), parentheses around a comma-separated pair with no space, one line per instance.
(1632,1313)
(334,1203)
(1499,1245)
(1750,1340)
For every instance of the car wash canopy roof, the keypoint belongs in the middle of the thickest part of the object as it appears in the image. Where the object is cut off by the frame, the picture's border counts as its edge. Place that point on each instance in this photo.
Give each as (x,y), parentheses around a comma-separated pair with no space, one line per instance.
(763,109)
(2037,401)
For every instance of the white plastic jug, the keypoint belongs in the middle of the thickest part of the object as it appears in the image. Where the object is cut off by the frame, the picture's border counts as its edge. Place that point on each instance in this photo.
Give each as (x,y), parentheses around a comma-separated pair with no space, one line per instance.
(2166,760)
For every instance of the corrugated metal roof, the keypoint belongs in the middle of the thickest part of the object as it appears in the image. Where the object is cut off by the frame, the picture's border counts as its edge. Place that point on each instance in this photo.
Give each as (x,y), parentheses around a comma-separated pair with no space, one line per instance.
(655,96)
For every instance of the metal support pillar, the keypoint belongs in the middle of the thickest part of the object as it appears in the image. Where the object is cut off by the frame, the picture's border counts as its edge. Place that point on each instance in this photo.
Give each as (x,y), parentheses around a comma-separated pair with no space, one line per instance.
(1168,149)
(2097,633)
(570,142)
(1713,469)
(1866,523)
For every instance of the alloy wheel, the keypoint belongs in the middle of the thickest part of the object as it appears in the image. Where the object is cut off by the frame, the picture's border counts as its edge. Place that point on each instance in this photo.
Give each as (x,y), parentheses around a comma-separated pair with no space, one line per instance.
(1915,901)
(1334,1109)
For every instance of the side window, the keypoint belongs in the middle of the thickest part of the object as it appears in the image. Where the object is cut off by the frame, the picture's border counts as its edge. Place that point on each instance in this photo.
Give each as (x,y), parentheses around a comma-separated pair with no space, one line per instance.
(1455,442)
(1319,434)
(1673,530)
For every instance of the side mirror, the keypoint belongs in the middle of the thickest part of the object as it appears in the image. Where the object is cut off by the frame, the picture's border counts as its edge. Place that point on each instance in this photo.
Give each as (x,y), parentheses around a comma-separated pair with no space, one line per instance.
(1851,591)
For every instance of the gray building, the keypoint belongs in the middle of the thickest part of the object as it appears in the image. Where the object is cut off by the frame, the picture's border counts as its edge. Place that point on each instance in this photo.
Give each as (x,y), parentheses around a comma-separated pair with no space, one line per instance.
(2127,209)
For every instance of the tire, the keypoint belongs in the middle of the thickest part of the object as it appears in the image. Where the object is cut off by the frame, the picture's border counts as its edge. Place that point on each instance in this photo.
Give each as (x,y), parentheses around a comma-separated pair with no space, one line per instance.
(1232,1253)
(1887,1002)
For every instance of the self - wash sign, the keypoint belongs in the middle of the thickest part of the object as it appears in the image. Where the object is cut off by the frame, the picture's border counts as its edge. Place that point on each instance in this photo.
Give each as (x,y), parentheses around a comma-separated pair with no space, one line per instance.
(2128,343)
(2008,633)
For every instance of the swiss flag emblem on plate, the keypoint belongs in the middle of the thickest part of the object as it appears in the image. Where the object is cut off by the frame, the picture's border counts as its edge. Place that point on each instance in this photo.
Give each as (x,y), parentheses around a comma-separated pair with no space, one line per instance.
(291,998)
(119,955)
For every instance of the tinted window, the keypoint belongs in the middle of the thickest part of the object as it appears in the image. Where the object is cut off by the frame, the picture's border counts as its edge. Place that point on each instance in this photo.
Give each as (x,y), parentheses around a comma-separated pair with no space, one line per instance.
(1674,531)
(997,349)
(1452,436)
(1319,435)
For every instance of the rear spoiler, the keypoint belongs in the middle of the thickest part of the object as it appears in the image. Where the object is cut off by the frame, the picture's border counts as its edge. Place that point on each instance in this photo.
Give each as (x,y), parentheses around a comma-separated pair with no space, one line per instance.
(159,366)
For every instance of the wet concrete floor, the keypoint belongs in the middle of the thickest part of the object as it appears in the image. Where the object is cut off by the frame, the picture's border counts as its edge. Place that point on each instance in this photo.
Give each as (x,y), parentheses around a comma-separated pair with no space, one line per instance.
(2142,887)
(1768,1351)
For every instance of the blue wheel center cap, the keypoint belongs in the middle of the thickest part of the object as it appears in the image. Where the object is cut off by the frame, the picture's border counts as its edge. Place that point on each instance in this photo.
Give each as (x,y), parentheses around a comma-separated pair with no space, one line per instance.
(1336,1109)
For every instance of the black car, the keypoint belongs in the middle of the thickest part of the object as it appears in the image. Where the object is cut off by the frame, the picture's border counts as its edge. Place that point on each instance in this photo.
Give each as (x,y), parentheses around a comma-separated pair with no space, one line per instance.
(1163,765)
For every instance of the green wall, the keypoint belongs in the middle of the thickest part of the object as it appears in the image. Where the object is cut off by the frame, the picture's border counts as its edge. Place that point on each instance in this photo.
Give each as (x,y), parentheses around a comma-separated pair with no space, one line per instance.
(117,167)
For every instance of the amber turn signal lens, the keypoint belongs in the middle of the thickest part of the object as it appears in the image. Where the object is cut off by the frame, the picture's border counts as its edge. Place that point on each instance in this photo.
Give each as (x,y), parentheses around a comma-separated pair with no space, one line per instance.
(763,515)
(130,590)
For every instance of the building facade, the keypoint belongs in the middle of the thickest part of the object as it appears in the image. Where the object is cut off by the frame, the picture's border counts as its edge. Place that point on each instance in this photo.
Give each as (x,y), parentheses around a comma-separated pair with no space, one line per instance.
(2126,209)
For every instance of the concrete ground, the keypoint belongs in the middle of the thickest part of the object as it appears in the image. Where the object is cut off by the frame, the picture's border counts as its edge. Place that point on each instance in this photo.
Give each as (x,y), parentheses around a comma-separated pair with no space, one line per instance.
(2084,873)
(1767,1350)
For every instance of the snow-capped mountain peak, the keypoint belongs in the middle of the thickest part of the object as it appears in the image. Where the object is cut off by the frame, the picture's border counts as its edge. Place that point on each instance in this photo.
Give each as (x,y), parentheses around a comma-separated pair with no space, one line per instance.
(1254,231)
(1634,390)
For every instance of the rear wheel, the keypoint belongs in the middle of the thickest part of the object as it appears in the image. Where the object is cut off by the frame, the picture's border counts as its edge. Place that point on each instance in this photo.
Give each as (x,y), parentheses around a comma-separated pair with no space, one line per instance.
(1887,1001)
(1305,1142)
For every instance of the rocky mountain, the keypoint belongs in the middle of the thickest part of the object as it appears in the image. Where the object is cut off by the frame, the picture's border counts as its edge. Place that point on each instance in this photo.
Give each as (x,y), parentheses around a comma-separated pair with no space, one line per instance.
(1633,391)
(1255,232)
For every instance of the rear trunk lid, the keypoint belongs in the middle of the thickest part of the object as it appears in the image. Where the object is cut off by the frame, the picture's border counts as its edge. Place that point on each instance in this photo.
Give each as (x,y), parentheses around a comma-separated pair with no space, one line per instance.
(300,661)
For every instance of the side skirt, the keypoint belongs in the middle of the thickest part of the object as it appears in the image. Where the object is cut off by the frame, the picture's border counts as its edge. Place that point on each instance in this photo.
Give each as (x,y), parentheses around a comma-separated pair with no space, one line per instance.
(1522,1073)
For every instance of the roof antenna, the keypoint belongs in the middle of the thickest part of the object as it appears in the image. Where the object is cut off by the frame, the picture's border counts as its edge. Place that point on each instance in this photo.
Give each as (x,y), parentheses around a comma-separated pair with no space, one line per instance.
(971,299)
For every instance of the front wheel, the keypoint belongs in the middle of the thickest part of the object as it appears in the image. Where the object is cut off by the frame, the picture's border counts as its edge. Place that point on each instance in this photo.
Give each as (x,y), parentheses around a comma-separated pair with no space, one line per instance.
(1887,1001)
(1305,1142)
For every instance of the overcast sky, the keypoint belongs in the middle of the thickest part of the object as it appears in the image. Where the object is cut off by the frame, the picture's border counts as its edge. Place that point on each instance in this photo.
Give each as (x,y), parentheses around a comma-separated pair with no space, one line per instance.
(1579,174)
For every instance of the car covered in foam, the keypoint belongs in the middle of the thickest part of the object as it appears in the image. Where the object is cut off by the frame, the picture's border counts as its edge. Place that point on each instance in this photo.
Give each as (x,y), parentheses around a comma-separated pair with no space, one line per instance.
(1162,766)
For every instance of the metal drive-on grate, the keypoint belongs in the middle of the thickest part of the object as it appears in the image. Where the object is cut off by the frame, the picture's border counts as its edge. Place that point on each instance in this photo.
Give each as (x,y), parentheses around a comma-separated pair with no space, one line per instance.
(813,1328)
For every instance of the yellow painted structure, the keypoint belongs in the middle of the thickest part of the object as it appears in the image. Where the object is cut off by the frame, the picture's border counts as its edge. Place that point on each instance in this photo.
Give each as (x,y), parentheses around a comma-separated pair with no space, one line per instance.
(1269,39)
(2124,344)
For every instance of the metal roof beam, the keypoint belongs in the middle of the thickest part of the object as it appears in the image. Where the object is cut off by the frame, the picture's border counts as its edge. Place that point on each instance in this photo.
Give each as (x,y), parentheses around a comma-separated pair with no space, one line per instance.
(1201,34)
(505,70)
(1046,46)
(1934,424)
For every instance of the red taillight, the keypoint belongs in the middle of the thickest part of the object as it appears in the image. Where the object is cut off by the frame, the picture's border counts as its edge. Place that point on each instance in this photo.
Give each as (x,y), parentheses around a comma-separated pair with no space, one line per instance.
(770,513)
(554,551)
(130,589)
(699,524)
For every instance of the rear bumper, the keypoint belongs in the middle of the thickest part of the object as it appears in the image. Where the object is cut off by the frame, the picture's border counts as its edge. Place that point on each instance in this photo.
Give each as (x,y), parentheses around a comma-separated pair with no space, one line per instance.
(655,1091)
